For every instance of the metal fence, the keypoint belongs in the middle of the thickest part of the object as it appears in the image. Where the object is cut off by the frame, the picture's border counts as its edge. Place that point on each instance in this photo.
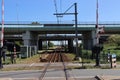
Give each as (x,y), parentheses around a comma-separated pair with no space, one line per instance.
(28,51)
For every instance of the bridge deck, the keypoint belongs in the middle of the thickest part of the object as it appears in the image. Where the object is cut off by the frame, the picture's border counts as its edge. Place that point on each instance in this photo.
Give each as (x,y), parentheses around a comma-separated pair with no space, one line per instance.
(54,28)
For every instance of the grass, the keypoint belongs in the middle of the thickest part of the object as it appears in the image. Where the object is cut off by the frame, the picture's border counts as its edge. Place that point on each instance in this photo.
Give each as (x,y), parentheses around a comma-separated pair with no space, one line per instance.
(22,68)
(33,59)
(89,67)
(71,56)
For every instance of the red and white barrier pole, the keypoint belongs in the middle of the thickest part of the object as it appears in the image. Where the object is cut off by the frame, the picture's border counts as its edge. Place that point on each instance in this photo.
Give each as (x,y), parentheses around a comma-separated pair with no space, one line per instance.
(14,55)
(14,52)
(2,30)
(2,35)
(97,27)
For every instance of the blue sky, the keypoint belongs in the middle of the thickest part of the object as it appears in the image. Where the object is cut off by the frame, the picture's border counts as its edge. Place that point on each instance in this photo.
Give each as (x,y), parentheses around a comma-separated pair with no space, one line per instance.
(43,10)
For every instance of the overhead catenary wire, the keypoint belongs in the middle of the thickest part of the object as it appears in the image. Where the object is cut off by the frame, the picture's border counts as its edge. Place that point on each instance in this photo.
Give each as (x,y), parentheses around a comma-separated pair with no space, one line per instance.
(55,4)
(17,12)
(60,5)
(56,10)
(17,15)
(60,10)
(68,8)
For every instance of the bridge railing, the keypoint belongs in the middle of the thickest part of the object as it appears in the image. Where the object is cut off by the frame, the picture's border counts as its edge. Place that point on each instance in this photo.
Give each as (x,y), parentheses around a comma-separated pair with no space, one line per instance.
(61,22)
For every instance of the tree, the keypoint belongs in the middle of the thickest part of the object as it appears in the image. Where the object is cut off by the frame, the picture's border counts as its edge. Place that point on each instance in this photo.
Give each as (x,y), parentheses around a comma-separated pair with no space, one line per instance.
(114,39)
(35,23)
(50,44)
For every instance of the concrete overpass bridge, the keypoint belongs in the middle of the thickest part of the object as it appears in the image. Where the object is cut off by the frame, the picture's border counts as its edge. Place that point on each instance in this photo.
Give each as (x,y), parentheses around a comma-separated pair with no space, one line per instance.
(30,33)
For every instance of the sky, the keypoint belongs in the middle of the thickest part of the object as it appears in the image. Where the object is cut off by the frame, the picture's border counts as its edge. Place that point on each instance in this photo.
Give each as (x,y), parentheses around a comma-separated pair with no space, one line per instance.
(43,10)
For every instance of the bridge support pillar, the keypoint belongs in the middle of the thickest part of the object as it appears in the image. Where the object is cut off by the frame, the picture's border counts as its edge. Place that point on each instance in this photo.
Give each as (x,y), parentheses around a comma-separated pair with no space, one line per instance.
(29,38)
(94,39)
(87,40)
(70,46)
(40,44)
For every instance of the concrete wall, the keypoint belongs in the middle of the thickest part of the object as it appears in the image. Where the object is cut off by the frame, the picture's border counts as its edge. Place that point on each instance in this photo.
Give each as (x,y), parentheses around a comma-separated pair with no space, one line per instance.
(30,38)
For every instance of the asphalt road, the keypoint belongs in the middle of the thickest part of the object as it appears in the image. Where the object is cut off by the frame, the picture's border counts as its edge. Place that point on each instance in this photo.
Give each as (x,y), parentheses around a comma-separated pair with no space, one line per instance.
(57,73)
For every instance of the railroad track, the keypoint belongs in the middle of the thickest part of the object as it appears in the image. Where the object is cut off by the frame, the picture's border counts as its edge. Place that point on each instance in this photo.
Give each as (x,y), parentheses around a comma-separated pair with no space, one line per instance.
(57,56)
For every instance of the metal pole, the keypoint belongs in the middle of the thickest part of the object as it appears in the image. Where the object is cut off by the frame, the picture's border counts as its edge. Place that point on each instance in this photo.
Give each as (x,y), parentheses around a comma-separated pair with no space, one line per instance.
(46,43)
(76,30)
(97,27)
(97,38)
(15,56)
(2,35)
(2,30)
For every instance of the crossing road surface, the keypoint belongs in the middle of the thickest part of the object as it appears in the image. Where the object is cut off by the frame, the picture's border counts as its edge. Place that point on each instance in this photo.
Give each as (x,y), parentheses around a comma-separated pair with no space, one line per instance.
(57,74)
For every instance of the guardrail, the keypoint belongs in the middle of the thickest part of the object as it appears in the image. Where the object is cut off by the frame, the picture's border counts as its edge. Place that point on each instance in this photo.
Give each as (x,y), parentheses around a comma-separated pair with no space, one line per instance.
(61,22)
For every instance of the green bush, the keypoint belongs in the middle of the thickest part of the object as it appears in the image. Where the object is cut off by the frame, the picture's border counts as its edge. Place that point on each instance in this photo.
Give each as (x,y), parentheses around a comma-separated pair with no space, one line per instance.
(86,54)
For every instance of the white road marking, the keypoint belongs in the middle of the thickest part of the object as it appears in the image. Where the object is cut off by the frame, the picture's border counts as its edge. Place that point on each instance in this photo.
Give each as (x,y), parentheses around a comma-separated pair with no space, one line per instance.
(25,79)
(6,79)
(31,64)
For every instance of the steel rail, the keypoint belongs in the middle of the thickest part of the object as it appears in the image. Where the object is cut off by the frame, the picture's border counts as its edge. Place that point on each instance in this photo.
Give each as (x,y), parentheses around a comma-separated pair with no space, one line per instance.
(57,56)
(46,67)
(64,68)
